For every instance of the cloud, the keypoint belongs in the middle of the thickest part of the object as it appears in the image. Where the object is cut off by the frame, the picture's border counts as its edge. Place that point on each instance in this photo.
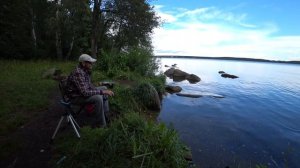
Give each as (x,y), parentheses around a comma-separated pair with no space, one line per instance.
(213,32)
(165,17)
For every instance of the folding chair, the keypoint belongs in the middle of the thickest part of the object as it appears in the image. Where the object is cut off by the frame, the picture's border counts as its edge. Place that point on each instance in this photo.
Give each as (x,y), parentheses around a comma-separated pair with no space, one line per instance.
(69,112)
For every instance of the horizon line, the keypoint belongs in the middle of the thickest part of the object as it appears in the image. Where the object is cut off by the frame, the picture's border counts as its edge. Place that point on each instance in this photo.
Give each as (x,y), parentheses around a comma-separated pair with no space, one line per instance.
(227,58)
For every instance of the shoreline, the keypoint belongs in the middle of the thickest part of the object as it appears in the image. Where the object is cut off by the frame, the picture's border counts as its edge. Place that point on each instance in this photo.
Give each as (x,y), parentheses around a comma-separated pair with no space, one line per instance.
(228,58)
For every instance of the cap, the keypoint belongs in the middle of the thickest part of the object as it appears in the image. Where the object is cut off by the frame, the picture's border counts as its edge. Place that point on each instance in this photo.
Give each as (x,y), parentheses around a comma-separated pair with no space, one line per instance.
(86,57)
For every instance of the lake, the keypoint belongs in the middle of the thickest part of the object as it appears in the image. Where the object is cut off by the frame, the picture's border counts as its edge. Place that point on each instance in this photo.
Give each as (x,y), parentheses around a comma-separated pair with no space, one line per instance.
(257,121)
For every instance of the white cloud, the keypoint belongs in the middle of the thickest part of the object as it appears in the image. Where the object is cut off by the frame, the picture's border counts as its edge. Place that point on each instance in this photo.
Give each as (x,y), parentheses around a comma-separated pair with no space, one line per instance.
(212,32)
(165,17)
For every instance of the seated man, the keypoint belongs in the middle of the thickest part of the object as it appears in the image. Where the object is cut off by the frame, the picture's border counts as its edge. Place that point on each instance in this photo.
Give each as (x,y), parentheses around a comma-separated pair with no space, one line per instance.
(81,91)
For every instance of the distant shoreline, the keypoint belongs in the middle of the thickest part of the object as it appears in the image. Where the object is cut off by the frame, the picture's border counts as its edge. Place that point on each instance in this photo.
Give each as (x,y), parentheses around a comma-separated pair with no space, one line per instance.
(227,58)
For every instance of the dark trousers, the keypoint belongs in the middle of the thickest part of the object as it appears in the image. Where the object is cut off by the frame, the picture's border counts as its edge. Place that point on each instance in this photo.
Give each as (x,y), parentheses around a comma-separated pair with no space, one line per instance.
(101,107)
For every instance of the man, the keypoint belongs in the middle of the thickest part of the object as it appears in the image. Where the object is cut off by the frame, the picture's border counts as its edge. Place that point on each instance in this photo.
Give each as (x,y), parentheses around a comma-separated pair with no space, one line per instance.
(81,91)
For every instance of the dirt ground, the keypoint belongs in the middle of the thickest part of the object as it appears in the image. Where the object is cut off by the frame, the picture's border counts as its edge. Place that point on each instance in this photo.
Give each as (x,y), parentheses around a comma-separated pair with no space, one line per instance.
(34,138)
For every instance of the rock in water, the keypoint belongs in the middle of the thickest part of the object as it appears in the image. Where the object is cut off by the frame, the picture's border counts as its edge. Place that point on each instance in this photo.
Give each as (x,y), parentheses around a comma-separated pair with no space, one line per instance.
(179,73)
(189,95)
(173,89)
(192,78)
(169,72)
(226,75)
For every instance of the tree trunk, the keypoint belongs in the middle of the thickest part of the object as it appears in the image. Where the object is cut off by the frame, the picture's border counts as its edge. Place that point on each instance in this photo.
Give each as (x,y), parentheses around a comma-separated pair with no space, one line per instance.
(33,29)
(71,48)
(58,32)
(95,28)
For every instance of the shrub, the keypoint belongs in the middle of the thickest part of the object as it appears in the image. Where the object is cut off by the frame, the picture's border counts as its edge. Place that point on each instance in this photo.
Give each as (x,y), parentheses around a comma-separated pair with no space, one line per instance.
(141,60)
(136,59)
(123,101)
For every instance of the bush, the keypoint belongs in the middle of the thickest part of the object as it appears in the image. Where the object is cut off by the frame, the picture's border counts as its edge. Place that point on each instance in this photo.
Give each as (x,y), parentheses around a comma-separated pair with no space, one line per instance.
(137,60)
(128,142)
(141,60)
(123,101)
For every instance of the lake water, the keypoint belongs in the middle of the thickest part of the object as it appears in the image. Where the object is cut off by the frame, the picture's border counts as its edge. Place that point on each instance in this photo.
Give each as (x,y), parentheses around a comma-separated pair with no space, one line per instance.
(257,121)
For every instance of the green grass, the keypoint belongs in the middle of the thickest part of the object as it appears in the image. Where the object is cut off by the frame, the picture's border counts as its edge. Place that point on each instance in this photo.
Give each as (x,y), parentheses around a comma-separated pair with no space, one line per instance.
(130,141)
(23,91)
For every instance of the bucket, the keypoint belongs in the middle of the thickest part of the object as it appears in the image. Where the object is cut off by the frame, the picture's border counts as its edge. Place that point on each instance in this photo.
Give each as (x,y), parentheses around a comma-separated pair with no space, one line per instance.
(89,108)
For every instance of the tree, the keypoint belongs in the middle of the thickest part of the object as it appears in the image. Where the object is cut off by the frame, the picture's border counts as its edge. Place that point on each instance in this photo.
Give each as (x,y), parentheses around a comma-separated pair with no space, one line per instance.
(58,42)
(133,23)
(15,29)
(76,27)
(63,29)
(71,27)
(95,27)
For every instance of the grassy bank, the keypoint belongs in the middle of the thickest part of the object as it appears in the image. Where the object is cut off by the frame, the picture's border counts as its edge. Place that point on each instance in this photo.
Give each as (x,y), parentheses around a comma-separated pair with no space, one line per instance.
(23,91)
(131,140)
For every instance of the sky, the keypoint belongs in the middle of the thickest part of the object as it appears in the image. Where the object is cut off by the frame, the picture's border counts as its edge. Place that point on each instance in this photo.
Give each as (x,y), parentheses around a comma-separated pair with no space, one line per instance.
(265,29)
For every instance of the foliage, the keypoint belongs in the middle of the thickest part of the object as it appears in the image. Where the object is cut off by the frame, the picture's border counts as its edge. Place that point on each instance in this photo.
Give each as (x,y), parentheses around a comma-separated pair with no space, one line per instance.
(123,101)
(47,29)
(128,142)
(138,60)
(112,63)
(132,22)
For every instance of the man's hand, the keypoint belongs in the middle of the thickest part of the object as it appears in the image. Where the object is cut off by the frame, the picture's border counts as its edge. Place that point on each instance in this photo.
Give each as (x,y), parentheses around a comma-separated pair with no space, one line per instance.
(108,92)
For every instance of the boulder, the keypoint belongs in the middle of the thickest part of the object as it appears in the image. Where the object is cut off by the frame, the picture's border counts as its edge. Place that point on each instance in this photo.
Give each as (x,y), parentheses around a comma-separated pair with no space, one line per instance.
(197,95)
(169,72)
(226,75)
(59,77)
(178,78)
(192,78)
(52,73)
(189,95)
(179,73)
(173,89)
(147,95)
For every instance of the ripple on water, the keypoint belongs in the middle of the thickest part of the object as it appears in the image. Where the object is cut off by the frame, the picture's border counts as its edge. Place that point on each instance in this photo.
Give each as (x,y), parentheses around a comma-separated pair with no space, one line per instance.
(257,121)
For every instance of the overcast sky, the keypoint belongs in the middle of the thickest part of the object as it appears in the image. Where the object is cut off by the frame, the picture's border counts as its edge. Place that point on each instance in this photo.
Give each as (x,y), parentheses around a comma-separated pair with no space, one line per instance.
(268,29)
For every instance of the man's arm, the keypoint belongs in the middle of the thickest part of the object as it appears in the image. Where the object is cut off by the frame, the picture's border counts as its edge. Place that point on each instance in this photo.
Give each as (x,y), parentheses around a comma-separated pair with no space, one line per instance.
(108,92)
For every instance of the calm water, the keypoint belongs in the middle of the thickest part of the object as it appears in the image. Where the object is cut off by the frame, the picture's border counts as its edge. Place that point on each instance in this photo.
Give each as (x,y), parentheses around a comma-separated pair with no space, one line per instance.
(258,121)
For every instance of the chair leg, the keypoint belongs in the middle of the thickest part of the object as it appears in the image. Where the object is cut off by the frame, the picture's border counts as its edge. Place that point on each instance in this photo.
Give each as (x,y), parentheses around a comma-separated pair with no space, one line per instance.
(57,128)
(74,127)
(74,121)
